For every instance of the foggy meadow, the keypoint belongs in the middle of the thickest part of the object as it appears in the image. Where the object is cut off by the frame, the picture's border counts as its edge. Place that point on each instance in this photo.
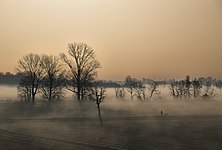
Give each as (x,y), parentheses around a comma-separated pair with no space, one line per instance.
(119,74)
(132,114)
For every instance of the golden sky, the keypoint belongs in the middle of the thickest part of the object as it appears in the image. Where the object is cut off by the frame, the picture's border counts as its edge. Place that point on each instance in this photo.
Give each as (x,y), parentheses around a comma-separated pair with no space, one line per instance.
(142,38)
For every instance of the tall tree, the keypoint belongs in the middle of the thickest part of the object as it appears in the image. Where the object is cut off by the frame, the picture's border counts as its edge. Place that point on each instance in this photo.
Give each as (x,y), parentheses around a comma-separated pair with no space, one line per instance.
(30,68)
(52,83)
(82,66)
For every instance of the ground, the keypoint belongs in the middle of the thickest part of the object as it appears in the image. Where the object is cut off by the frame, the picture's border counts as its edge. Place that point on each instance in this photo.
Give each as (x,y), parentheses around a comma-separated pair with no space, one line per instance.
(64,126)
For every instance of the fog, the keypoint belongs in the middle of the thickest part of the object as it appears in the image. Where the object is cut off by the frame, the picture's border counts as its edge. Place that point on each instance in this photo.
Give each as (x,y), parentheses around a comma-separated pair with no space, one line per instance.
(8,92)
(127,124)
(112,107)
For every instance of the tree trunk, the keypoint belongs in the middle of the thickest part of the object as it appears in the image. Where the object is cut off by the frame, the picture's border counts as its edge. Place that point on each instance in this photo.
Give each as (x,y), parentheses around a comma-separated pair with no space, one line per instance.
(33,100)
(78,82)
(131,93)
(78,92)
(99,115)
(50,89)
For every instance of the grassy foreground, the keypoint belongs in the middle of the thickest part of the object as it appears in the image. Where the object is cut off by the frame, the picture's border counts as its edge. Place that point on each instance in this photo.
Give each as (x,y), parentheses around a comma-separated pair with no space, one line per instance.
(65,126)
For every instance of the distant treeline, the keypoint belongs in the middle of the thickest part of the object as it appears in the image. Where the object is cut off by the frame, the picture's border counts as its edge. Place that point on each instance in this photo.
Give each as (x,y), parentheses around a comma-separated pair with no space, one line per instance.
(8,78)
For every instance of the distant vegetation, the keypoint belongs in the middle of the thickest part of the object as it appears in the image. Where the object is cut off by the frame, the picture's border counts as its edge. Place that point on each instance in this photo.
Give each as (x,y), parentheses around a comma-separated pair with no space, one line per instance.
(7,78)
(49,76)
(134,87)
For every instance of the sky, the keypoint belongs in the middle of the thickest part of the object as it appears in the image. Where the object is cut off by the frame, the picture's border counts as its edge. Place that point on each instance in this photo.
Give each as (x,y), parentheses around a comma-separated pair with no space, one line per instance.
(154,39)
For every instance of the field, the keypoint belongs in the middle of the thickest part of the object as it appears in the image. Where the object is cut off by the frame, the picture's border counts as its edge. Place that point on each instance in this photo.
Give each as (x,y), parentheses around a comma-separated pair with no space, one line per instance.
(126,125)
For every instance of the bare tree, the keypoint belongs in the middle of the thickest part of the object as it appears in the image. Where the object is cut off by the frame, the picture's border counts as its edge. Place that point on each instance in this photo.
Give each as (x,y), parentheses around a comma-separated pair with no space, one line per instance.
(209,92)
(131,84)
(140,90)
(140,93)
(30,68)
(120,92)
(97,94)
(82,66)
(24,89)
(196,88)
(173,88)
(188,86)
(52,83)
(183,88)
(153,88)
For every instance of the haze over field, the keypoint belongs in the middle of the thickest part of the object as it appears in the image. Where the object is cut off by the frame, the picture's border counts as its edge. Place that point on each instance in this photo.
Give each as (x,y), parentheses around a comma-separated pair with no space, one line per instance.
(159,83)
(145,38)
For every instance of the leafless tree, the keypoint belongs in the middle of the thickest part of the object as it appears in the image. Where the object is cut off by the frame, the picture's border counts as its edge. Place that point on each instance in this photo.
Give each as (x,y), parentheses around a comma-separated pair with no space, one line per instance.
(188,86)
(82,66)
(97,94)
(30,68)
(140,93)
(209,92)
(131,84)
(24,90)
(53,81)
(152,87)
(183,88)
(173,88)
(140,90)
(120,92)
(196,86)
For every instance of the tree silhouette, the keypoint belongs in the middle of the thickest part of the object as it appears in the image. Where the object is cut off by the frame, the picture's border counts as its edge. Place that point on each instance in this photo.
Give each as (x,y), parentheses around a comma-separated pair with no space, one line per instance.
(52,83)
(31,71)
(152,87)
(24,89)
(120,91)
(188,85)
(131,84)
(82,66)
(97,94)
(140,90)
(196,88)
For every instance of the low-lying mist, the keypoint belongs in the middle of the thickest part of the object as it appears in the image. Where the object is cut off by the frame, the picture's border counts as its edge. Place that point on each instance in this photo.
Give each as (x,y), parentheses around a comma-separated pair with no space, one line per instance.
(127,124)
(111,107)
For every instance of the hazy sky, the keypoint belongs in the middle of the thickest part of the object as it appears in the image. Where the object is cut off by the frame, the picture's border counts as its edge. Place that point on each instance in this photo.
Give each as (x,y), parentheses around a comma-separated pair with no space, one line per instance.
(142,38)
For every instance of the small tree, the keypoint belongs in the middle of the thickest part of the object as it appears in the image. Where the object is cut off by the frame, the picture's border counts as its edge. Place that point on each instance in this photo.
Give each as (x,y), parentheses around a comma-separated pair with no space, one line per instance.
(97,94)
(188,85)
(140,90)
(209,92)
(153,88)
(30,68)
(82,66)
(120,92)
(173,88)
(131,84)
(182,88)
(196,88)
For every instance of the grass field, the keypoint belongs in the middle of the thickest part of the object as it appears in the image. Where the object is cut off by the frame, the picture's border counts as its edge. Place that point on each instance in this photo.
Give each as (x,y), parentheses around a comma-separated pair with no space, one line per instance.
(76,126)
